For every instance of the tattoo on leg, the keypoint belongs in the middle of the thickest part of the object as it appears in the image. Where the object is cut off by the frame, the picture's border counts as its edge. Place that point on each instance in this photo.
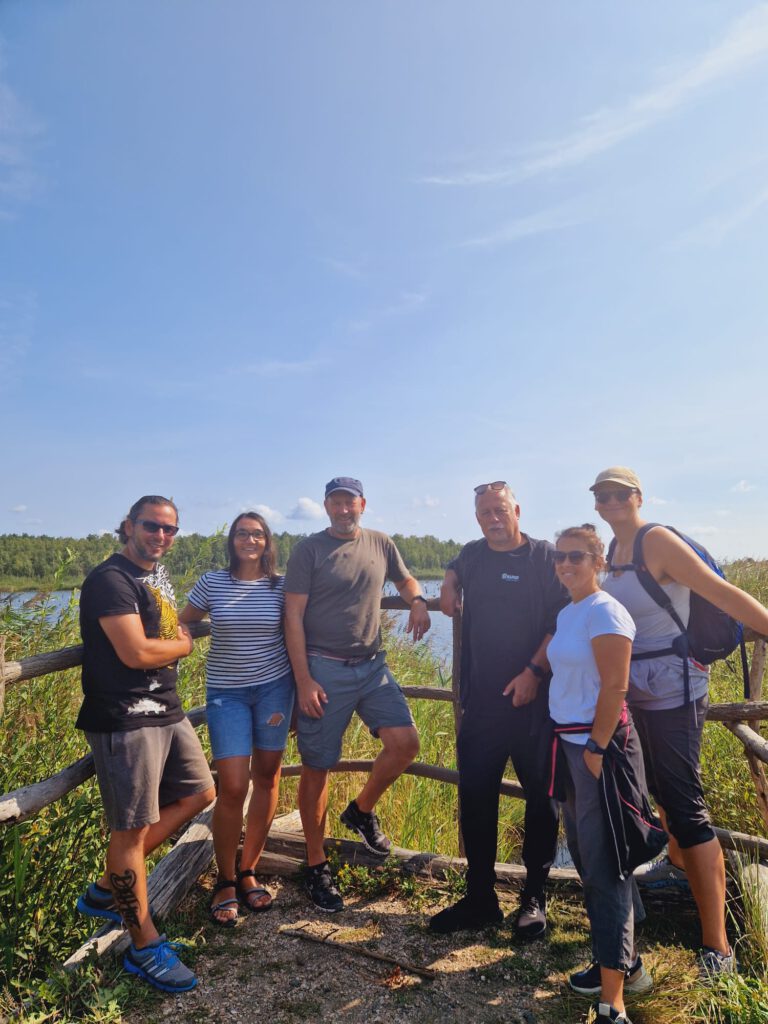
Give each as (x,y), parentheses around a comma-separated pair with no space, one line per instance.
(123,886)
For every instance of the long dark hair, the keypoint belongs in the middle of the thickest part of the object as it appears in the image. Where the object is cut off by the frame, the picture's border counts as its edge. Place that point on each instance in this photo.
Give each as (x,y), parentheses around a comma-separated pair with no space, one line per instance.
(136,509)
(268,561)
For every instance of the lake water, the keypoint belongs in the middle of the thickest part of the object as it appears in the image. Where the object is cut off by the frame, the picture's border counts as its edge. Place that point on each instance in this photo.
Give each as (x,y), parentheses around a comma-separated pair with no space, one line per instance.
(439,639)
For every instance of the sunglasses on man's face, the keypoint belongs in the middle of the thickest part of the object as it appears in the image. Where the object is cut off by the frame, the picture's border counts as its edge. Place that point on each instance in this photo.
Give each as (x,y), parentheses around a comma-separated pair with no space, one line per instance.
(152,527)
(497,485)
(574,557)
(603,497)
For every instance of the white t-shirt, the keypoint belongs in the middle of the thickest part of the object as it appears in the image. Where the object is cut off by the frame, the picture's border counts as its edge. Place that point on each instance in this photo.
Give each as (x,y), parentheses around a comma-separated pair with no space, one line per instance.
(575,682)
(247,642)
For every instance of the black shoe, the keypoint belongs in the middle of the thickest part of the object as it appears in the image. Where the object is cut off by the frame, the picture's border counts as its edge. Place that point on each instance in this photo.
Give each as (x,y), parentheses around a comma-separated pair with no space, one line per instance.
(587,982)
(531,921)
(607,1014)
(467,913)
(366,824)
(322,891)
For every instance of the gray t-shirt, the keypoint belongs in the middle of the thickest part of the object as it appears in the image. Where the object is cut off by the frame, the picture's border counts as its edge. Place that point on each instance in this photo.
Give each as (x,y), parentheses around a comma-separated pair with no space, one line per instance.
(344,580)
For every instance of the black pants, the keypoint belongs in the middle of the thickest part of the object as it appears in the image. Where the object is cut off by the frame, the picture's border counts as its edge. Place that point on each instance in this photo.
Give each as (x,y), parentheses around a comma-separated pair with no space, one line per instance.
(486,742)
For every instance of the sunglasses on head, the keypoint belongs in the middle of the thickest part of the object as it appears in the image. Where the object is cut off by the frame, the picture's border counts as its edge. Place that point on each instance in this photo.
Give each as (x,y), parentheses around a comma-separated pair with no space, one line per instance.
(603,497)
(497,485)
(152,527)
(574,557)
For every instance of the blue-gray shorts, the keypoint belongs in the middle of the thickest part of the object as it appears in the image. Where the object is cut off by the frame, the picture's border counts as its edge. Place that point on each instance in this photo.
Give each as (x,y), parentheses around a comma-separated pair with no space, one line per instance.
(241,718)
(141,770)
(368,688)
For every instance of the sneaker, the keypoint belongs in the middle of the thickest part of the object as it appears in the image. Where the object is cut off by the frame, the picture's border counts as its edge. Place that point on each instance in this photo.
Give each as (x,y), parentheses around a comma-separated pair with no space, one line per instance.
(713,963)
(322,891)
(99,902)
(587,982)
(661,873)
(607,1014)
(366,824)
(466,914)
(158,964)
(531,921)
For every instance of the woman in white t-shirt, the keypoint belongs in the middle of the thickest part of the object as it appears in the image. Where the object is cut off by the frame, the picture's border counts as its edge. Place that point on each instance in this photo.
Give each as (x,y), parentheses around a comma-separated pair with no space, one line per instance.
(249,697)
(590,655)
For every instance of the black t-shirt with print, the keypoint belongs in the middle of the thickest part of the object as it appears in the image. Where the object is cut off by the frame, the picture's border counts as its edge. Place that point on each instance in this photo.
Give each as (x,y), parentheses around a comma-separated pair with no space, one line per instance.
(117,698)
(511,601)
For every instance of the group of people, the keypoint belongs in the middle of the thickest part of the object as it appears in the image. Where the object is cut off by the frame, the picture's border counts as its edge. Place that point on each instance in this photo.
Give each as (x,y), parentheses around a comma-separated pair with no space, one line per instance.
(561,652)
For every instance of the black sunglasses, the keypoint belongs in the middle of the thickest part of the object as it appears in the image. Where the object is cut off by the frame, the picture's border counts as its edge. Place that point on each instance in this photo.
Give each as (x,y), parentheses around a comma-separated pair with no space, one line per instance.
(152,527)
(497,485)
(603,497)
(574,557)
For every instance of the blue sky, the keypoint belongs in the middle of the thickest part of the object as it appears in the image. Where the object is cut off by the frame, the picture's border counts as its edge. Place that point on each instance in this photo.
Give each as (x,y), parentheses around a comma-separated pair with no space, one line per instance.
(247,247)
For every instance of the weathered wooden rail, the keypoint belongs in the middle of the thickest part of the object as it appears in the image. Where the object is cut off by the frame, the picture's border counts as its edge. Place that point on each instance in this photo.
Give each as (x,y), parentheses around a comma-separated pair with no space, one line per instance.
(192,854)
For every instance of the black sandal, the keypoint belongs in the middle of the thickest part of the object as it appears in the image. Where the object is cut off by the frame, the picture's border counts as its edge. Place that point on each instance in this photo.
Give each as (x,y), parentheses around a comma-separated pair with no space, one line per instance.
(233,903)
(245,895)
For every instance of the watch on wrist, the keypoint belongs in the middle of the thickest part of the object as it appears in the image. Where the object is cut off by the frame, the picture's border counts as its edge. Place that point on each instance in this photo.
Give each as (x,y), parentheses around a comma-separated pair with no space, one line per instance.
(537,670)
(419,597)
(593,748)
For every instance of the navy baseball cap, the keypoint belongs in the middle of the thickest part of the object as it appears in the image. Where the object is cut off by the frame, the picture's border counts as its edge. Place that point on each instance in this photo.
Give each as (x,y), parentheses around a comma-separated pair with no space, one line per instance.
(344,483)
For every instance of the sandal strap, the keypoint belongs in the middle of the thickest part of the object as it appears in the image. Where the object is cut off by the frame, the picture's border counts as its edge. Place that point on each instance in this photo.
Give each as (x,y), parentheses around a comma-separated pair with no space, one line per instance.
(223,904)
(245,893)
(225,883)
(245,874)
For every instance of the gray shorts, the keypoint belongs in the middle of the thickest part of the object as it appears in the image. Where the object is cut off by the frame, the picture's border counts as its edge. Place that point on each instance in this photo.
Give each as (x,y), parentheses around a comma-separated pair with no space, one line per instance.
(141,770)
(368,688)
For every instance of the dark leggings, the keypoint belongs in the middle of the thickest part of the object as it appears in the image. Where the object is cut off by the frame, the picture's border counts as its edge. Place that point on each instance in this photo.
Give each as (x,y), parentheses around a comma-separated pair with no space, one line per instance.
(485,745)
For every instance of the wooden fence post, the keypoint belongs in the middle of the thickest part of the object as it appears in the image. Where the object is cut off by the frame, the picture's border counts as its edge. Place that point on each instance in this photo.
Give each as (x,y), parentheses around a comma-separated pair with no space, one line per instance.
(756,767)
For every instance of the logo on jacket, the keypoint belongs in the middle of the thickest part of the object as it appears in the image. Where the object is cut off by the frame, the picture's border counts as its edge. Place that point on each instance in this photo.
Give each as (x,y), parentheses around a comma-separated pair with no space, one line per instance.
(510,578)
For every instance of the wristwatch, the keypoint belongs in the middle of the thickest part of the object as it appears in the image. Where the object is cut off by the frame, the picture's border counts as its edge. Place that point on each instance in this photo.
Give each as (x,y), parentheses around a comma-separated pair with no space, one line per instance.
(419,597)
(593,748)
(537,670)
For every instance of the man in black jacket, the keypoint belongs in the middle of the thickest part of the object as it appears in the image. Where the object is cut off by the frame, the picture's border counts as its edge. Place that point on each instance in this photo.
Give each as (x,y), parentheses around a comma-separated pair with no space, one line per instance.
(511,598)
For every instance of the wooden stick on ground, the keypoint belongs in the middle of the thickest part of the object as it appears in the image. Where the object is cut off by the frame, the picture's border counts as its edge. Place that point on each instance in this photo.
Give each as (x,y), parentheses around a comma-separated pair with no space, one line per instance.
(298,933)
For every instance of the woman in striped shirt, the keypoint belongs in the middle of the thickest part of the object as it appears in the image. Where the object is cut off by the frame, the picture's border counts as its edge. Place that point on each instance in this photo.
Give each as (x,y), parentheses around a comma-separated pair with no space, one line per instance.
(249,693)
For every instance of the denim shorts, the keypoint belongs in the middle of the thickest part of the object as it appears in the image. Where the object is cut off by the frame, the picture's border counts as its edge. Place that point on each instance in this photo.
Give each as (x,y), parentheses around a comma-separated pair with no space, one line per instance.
(141,770)
(368,688)
(244,718)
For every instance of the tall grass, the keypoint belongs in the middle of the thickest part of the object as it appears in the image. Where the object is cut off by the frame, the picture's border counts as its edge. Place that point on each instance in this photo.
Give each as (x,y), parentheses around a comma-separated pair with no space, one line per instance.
(45,863)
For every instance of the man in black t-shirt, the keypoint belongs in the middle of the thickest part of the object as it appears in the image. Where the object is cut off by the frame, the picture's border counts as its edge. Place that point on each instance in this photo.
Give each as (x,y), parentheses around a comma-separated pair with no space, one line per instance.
(151,770)
(511,598)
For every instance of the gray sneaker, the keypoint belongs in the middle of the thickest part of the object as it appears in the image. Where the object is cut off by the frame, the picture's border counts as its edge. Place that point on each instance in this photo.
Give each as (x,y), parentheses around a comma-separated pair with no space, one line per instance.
(158,964)
(713,963)
(661,874)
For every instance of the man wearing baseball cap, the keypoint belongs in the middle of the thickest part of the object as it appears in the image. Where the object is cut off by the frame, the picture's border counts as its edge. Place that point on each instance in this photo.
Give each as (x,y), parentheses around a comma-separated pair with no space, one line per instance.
(333,589)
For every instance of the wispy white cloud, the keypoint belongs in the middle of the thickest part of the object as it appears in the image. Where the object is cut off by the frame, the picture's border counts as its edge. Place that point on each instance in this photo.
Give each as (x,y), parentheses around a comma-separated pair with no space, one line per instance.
(745,42)
(270,514)
(346,268)
(406,303)
(19,509)
(712,231)
(702,531)
(426,502)
(306,508)
(281,368)
(17,317)
(742,487)
(18,128)
(653,500)
(526,227)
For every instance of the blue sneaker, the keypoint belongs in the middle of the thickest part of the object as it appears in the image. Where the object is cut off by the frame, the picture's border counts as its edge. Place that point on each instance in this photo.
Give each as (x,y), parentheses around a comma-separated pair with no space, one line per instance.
(661,874)
(158,964)
(98,902)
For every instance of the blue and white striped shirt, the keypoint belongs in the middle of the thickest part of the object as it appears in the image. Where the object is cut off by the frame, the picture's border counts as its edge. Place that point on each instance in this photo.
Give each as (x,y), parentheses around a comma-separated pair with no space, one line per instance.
(247,642)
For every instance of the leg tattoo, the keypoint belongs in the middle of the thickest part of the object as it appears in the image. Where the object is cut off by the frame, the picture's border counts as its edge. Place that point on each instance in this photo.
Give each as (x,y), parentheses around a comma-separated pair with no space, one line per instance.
(123,886)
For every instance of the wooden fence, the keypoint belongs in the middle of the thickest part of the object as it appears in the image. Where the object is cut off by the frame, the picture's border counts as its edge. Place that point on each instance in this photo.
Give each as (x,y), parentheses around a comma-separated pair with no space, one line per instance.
(741,718)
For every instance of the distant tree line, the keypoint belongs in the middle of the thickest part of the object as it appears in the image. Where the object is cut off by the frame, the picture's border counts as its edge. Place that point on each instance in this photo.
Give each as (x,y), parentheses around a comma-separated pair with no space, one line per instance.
(69,559)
